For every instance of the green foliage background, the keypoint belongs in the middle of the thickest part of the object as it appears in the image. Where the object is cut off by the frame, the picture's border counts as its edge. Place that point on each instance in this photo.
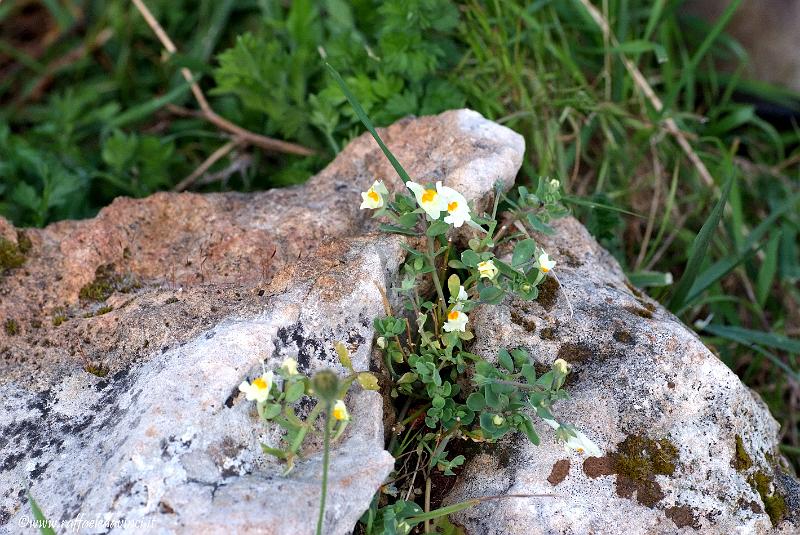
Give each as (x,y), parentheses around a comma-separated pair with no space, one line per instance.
(84,119)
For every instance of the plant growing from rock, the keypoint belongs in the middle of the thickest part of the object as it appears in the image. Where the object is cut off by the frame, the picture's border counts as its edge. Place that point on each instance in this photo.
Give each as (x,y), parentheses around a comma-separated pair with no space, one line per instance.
(445,392)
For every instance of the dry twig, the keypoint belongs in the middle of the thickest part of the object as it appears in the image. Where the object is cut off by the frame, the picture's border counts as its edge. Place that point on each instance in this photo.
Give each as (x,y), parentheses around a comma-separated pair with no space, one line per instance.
(207,112)
(187,182)
(640,81)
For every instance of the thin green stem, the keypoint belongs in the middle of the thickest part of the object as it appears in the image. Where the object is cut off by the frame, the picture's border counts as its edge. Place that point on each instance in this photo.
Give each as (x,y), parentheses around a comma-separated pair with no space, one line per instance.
(435,274)
(312,417)
(325,460)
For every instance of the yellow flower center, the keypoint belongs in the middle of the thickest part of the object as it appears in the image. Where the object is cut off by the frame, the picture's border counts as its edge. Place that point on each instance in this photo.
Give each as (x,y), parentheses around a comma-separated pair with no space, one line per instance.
(372,194)
(545,269)
(452,207)
(428,195)
(339,413)
(260,383)
(453,315)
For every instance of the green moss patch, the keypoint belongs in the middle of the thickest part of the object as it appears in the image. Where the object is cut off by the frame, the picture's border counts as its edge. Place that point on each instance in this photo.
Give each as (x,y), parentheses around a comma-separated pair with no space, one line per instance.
(741,460)
(774,503)
(548,293)
(11,327)
(106,282)
(521,320)
(10,255)
(99,370)
(576,352)
(636,463)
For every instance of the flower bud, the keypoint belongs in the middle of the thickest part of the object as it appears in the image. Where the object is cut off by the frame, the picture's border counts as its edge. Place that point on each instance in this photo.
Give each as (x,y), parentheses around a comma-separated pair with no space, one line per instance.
(498,420)
(290,366)
(326,384)
(382,342)
(561,366)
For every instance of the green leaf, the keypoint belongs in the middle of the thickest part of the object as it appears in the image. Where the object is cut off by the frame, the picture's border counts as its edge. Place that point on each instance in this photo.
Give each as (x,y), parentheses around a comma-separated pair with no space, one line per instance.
(453,284)
(368,381)
(523,251)
(505,360)
(645,279)
(148,107)
(271,410)
(527,427)
(697,252)
(280,454)
(344,355)
(529,373)
(407,378)
(750,336)
(437,228)
(476,402)
(470,258)
(362,115)
(640,46)
(295,391)
(394,229)
(722,267)
(766,275)
(45,527)
(540,226)
(491,295)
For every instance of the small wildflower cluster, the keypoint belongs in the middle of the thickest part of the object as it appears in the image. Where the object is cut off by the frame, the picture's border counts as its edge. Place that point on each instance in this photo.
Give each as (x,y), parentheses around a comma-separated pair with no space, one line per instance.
(429,364)
(442,391)
(277,392)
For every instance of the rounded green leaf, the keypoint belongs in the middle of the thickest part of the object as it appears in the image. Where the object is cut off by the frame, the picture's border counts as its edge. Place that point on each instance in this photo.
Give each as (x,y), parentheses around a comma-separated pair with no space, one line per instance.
(475,401)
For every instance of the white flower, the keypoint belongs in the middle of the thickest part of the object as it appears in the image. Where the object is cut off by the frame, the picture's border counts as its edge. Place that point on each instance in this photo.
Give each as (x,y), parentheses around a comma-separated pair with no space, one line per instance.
(373,197)
(429,199)
(555,184)
(456,321)
(462,294)
(290,366)
(340,411)
(545,264)
(259,389)
(382,342)
(561,366)
(580,442)
(487,269)
(455,204)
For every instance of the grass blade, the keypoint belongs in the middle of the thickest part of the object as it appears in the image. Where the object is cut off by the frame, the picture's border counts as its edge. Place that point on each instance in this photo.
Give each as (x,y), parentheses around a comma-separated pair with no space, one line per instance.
(766,275)
(750,336)
(697,252)
(722,267)
(45,528)
(752,339)
(147,108)
(367,123)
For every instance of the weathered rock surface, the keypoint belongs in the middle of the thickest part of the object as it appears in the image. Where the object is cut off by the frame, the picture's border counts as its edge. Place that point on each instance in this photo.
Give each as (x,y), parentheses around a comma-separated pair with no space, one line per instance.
(687,448)
(124,339)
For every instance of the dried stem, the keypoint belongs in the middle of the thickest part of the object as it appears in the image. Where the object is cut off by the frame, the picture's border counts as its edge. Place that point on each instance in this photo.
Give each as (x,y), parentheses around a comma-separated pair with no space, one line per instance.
(640,81)
(207,112)
(187,182)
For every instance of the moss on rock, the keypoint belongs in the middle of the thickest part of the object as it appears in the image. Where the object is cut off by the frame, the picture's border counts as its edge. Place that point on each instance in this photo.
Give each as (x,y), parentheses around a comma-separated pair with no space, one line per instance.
(774,502)
(741,460)
(11,256)
(11,327)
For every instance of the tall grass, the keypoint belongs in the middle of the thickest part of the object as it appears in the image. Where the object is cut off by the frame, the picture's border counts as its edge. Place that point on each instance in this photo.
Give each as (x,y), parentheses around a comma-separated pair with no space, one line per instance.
(547,70)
